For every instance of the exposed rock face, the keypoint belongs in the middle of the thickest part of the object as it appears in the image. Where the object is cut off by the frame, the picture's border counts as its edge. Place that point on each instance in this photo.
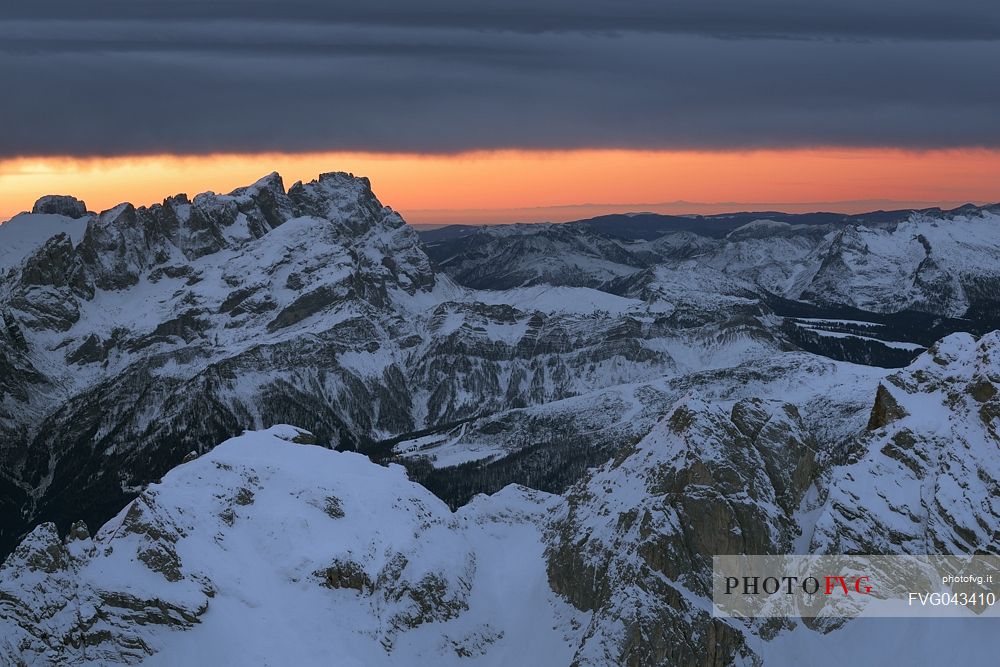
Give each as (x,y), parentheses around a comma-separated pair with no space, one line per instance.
(941,449)
(52,283)
(53,610)
(71,207)
(638,537)
(885,410)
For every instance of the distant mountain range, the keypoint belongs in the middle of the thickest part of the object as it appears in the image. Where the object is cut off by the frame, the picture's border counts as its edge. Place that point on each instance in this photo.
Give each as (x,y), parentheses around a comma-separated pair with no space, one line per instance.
(649,226)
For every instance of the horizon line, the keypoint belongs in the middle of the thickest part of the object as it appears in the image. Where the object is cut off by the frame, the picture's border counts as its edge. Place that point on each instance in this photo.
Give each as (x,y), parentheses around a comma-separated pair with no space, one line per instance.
(681,208)
(735,207)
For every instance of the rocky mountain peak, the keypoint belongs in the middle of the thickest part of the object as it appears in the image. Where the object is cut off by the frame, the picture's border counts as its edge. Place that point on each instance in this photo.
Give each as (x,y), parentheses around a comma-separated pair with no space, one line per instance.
(125,242)
(345,199)
(71,207)
(273,183)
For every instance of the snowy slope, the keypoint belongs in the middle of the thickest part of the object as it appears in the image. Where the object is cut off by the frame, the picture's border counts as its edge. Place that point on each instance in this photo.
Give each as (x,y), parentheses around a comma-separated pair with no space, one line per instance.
(508,256)
(937,265)
(24,234)
(264,551)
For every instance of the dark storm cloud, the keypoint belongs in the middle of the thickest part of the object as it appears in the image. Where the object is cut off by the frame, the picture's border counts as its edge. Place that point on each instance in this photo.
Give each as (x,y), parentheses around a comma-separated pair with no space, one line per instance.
(921,19)
(106,78)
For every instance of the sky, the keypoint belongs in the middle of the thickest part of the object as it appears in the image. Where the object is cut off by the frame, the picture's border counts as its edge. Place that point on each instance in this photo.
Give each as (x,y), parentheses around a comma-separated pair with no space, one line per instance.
(493,112)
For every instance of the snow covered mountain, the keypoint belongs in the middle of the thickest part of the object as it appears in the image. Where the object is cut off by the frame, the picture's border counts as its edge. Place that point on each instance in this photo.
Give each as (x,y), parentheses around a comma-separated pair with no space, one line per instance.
(133,336)
(625,382)
(941,262)
(268,552)
(267,548)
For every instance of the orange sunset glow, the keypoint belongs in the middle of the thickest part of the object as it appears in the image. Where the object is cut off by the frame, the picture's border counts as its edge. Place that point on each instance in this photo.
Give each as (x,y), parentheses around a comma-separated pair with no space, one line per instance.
(532,186)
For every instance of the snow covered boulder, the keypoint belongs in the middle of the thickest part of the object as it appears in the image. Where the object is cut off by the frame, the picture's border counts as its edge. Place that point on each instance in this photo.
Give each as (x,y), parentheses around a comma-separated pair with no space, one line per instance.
(299,436)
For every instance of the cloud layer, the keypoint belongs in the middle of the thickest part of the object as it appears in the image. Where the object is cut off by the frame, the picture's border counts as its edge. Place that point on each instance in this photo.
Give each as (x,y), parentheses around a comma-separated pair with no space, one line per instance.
(177,76)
